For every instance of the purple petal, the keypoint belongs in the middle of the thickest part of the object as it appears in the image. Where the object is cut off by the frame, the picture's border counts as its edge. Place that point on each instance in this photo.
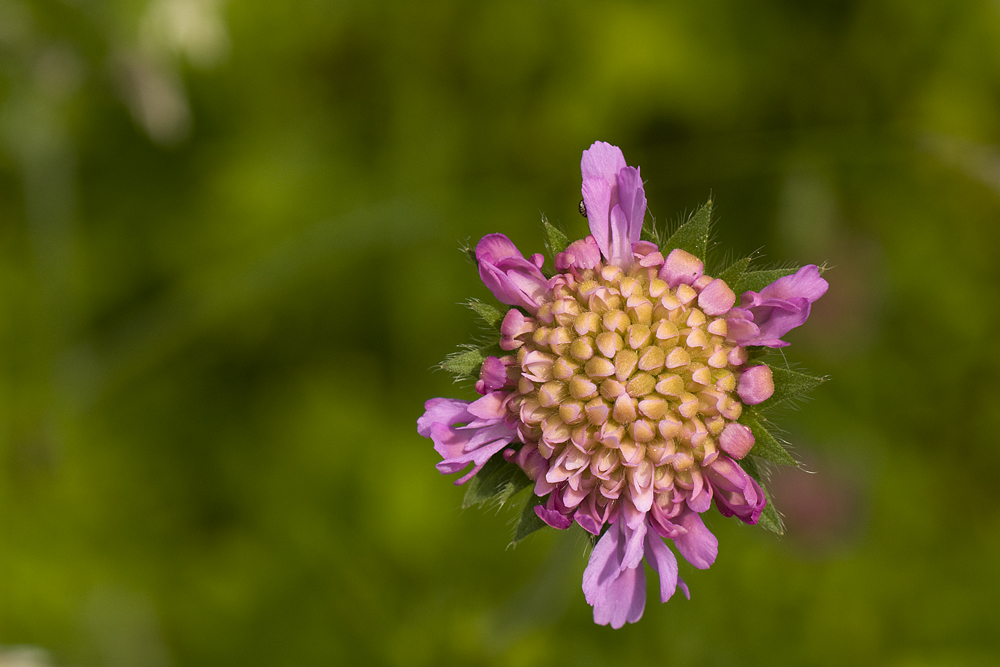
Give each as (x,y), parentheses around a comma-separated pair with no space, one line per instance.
(489,441)
(805,283)
(442,411)
(632,557)
(492,375)
(781,306)
(624,599)
(602,160)
(494,247)
(603,566)
(491,406)
(632,200)
(736,493)
(553,517)
(512,279)
(756,385)
(662,559)
(742,330)
(698,545)
(775,318)
(597,195)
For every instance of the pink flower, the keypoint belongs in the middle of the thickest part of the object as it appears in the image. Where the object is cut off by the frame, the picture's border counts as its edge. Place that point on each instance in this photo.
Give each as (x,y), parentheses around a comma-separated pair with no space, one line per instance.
(466,432)
(615,201)
(621,394)
(512,279)
(762,319)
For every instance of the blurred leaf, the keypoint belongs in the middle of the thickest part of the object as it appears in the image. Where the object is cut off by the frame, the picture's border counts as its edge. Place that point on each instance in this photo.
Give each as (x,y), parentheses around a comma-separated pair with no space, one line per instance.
(529,522)
(732,275)
(498,480)
(692,236)
(788,384)
(492,315)
(766,446)
(755,281)
(467,363)
(555,239)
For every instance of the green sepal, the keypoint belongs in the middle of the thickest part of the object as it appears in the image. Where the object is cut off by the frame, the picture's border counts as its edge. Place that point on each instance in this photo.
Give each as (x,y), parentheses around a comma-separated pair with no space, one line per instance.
(528,522)
(765,445)
(734,273)
(492,315)
(692,236)
(555,239)
(497,481)
(769,517)
(755,281)
(789,384)
(467,363)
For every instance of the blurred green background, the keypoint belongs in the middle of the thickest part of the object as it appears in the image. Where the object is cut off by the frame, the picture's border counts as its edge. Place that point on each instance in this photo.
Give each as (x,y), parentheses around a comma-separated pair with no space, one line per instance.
(228,264)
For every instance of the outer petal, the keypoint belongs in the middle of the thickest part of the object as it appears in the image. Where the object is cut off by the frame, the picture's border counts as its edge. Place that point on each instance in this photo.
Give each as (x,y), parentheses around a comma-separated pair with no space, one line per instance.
(599,196)
(442,411)
(553,517)
(736,493)
(604,565)
(624,600)
(781,306)
(615,201)
(805,283)
(662,559)
(602,160)
(512,279)
(698,545)
(494,247)
(632,201)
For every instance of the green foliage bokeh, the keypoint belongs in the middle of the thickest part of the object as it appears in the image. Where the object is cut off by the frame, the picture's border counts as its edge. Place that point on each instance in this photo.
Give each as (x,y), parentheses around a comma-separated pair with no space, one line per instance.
(229,262)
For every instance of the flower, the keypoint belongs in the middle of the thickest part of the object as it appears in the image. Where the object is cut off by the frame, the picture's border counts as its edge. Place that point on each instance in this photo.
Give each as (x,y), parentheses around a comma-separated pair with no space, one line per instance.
(621,390)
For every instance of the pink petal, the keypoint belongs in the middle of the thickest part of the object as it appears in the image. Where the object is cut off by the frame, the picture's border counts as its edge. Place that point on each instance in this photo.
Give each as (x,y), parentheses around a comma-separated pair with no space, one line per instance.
(681,267)
(624,600)
(442,411)
(582,254)
(603,566)
(602,160)
(632,200)
(662,559)
(716,298)
(736,440)
(495,247)
(598,195)
(698,545)
(756,385)
(805,283)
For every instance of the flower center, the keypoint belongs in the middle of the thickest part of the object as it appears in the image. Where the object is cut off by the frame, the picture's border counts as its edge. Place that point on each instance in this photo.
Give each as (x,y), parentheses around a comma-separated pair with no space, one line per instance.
(622,375)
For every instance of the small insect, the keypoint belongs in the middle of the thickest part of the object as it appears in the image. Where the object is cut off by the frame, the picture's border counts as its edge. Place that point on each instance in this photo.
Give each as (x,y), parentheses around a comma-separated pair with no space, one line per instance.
(583,209)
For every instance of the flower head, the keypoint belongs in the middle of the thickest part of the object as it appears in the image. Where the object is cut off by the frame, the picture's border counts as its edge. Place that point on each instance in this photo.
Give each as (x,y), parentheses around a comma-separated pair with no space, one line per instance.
(623,388)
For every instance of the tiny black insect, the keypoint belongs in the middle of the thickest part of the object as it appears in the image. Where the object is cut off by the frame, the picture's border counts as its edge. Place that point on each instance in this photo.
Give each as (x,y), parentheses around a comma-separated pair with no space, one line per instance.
(583,209)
